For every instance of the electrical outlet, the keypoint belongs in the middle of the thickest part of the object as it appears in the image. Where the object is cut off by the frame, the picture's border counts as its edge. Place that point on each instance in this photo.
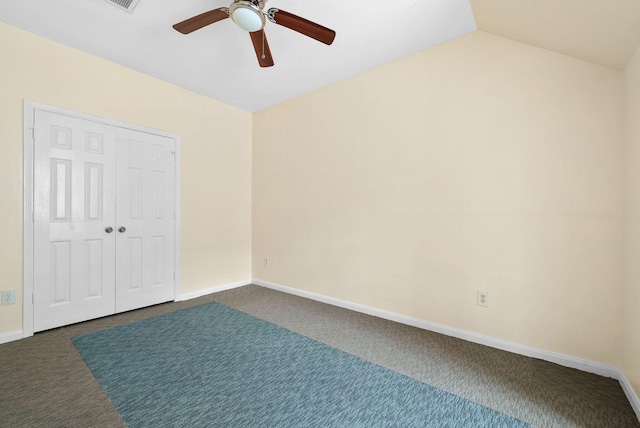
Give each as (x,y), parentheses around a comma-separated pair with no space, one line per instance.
(483,298)
(266,262)
(7,297)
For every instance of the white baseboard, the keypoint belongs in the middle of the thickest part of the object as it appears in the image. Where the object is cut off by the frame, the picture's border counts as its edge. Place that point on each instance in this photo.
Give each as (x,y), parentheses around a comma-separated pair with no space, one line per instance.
(211,290)
(10,336)
(505,345)
(629,392)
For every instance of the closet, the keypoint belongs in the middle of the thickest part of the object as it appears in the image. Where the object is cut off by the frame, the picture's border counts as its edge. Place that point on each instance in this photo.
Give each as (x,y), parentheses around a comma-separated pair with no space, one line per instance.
(104,219)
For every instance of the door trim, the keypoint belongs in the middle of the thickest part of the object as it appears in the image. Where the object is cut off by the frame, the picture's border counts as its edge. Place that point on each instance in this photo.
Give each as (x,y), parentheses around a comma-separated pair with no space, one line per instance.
(29,109)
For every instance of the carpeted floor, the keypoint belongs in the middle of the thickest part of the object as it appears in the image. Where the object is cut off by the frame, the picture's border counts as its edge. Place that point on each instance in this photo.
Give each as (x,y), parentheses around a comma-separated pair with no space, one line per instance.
(212,365)
(45,383)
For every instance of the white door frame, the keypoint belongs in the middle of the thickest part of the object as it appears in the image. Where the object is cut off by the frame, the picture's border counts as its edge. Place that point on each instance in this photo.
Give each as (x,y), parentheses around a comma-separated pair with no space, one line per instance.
(29,109)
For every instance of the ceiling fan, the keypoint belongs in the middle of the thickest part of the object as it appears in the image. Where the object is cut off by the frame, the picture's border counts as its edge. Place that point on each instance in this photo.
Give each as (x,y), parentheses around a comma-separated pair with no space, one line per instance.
(250,16)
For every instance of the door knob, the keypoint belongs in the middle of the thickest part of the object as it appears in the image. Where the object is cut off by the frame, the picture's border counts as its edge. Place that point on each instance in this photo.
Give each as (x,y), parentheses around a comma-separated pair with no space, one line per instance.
(108,229)
(122,229)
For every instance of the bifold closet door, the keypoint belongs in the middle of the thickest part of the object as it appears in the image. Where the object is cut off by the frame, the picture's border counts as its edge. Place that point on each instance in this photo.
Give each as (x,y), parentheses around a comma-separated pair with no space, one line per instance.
(74,219)
(145,219)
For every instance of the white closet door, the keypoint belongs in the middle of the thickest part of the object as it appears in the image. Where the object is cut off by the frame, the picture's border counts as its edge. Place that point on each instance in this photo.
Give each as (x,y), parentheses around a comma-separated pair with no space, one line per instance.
(74,255)
(145,219)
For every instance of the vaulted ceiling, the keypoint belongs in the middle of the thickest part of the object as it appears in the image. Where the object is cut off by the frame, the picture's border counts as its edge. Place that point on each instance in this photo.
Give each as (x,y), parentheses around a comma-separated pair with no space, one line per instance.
(604,32)
(219,61)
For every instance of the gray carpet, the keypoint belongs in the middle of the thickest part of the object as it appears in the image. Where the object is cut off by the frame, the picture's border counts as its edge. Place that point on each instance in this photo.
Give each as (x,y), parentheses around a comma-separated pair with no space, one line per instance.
(212,365)
(45,383)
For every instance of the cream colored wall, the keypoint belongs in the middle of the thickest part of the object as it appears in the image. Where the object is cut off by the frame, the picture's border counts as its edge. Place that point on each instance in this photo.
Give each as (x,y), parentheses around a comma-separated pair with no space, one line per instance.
(480,164)
(215,148)
(605,33)
(631,290)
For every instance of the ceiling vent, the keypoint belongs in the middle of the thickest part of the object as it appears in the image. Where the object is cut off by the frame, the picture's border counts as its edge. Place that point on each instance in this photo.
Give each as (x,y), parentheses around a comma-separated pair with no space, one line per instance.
(127,5)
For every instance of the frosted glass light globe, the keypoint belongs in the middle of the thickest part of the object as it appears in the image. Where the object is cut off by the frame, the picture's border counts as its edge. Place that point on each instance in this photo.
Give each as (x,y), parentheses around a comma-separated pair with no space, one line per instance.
(248,18)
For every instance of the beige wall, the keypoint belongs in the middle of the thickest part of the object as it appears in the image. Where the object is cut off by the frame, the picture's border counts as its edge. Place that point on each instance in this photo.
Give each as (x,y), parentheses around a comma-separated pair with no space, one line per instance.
(480,164)
(631,290)
(215,148)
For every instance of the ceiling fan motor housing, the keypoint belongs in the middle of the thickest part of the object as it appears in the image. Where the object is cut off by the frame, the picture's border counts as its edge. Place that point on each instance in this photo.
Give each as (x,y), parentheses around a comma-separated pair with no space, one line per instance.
(247,14)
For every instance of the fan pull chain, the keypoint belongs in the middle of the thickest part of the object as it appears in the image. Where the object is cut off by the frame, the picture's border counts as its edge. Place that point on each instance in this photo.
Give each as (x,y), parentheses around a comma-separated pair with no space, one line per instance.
(263,55)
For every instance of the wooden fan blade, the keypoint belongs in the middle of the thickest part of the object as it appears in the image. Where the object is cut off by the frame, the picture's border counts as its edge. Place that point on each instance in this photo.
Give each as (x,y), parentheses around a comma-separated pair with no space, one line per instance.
(261,46)
(303,26)
(202,20)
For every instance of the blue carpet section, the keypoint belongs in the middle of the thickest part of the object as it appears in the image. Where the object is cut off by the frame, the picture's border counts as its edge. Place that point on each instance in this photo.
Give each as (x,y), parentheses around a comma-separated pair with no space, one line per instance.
(213,366)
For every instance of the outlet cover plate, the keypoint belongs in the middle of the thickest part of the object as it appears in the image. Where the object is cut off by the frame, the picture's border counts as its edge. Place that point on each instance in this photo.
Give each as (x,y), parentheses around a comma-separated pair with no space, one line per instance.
(7,297)
(483,298)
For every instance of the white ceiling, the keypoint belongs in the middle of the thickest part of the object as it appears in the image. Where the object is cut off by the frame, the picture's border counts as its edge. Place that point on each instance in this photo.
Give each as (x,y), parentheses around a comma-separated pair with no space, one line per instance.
(219,61)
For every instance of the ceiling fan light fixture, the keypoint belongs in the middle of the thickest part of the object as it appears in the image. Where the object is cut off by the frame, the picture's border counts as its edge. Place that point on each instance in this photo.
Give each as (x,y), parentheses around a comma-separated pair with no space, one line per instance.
(247,16)
(250,16)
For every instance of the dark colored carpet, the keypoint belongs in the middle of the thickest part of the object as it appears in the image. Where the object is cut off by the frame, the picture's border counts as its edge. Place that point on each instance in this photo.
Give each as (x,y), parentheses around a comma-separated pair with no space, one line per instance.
(44,382)
(214,366)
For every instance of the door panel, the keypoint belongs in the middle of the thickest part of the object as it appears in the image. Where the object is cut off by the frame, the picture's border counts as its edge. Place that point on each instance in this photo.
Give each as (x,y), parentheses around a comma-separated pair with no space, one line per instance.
(74,181)
(145,209)
(89,177)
